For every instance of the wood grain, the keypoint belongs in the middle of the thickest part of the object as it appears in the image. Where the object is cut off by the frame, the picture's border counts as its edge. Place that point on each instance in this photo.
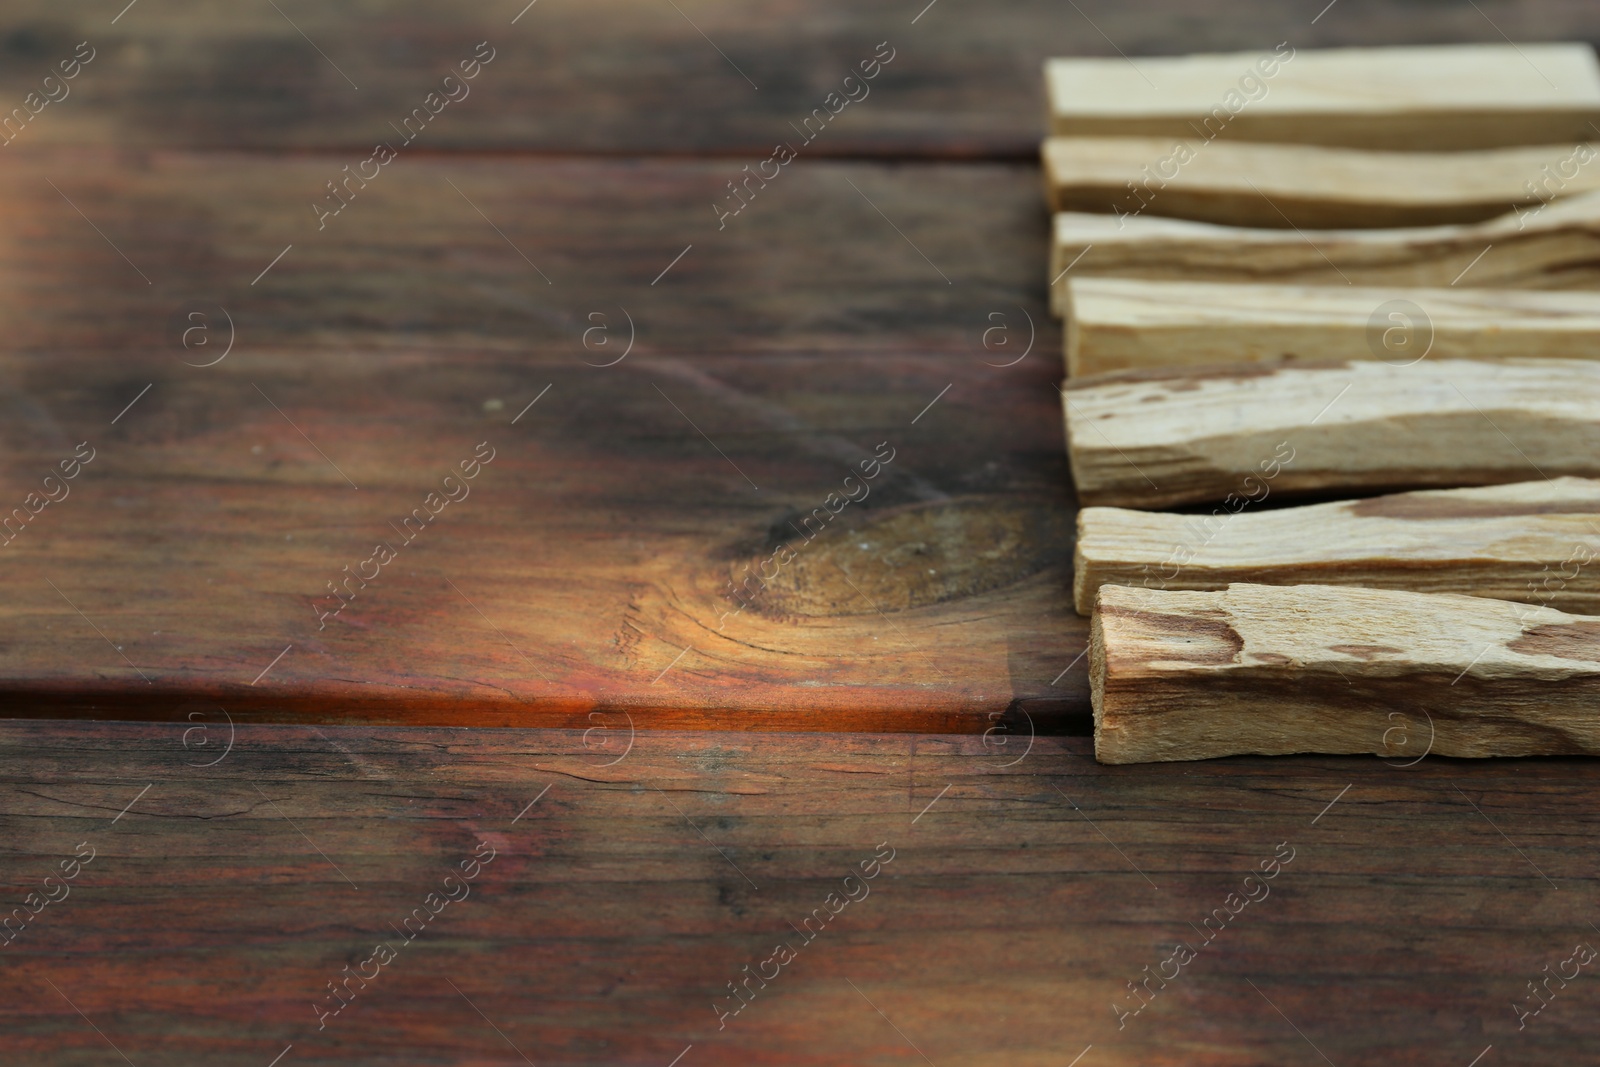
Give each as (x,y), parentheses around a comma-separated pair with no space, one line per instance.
(1553,247)
(1238,433)
(590,567)
(1274,670)
(1116,324)
(1531,542)
(1430,98)
(1002,932)
(623,78)
(1312,187)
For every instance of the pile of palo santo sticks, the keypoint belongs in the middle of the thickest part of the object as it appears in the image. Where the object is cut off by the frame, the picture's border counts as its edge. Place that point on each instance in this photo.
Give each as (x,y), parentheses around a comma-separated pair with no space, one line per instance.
(1342,310)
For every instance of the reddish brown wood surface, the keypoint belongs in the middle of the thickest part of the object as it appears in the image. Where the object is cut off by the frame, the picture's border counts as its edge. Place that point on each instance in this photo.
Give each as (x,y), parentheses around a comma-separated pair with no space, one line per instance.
(624,77)
(588,567)
(1027,888)
(847,307)
(1022,898)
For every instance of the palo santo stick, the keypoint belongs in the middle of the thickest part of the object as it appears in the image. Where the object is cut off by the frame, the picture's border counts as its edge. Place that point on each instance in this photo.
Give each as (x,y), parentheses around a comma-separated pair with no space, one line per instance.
(1279,185)
(1427,98)
(1530,542)
(1152,439)
(1552,246)
(1272,670)
(1118,324)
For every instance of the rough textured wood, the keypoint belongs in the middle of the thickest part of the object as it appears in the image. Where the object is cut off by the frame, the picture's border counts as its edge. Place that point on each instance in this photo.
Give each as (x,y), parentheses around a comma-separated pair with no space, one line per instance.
(1403,98)
(1532,542)
(1116,324)
(1279,185)
(599,544)
(630,77)
(1013,914)
(209,924)
(1151,439)
(1273,670)
(1554,247)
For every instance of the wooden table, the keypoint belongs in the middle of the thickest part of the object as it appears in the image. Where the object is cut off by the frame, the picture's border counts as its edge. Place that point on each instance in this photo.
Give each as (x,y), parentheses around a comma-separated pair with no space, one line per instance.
(880,289)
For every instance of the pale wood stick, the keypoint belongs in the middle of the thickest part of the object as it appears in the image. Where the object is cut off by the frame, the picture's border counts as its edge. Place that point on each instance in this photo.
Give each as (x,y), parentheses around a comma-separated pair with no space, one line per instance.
(1531,542)
(1550,246)
(1273,670)
(1158,438)
(1282,185)
(1410,98)
(1125,324)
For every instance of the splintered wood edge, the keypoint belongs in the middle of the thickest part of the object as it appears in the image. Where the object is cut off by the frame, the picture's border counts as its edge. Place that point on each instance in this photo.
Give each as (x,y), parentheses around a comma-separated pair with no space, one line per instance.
(1116,324)
(1301,669)
(1394,428)
(1244,183)
(1435,97)
(1538,245)
(1532,542)
(1097,666)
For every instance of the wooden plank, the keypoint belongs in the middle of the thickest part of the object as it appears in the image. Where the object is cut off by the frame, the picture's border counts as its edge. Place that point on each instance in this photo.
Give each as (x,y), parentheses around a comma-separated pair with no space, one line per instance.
(1235,434)
(1556,247)
(191,937)
(590,567)
(1274,670)
(1312,187)
(636,77)
(1530,541)
(1116,324)
(1436,97)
